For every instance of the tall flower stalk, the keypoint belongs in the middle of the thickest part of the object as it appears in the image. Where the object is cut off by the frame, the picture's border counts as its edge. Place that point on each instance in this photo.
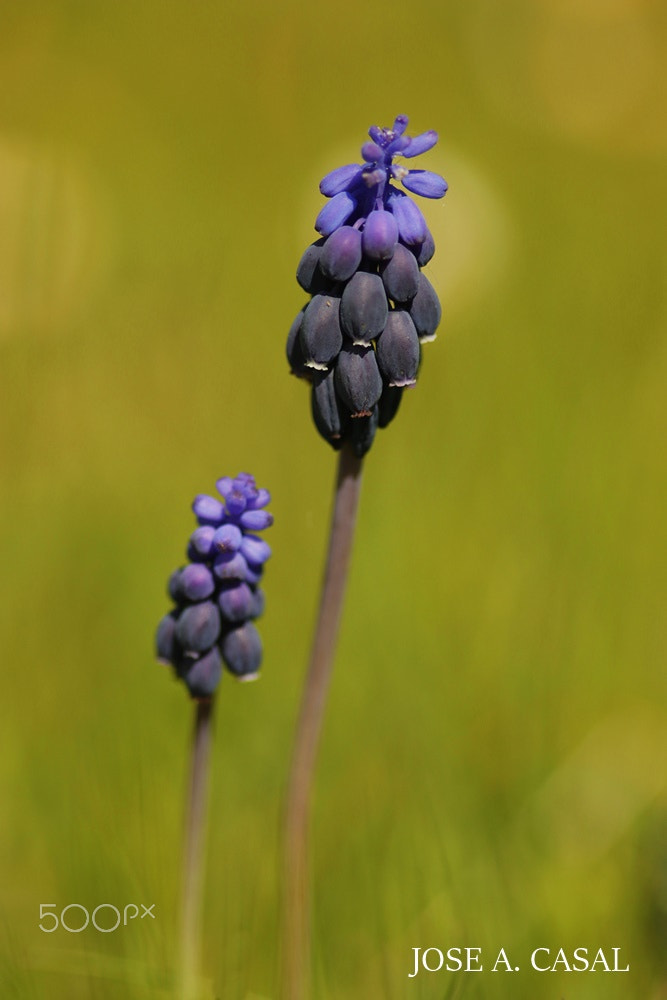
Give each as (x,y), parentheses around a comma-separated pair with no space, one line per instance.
(217,597)
(358,343)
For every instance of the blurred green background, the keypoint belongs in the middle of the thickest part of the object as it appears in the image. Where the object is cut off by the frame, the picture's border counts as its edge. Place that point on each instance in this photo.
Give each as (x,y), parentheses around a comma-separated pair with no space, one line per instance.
(492,771)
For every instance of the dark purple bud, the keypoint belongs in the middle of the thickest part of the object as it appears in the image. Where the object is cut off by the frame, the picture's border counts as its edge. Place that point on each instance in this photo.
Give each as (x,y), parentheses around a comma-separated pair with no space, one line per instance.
(256,520)
(257,603)
(390,401)
(198,627)
(400,275)
(363,308)
(380,235)
(340,179)
(308,273)
(174,586)
(255,550)
(203,674)
(371,152)
(398,350)
(362,433)
(425,310)
(358,381)
(425,183)
(166,647)
(294,351)
(341,254)
(335,213)
(321,336)
(421,144)
(424,251)
(411,224)
(197,582)
(327,415)
(242,651)
(236,602)
(208,510)
(227,539)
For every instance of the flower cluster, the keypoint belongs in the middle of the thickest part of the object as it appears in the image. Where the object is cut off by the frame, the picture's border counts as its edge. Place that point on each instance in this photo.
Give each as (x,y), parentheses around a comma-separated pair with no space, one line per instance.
(358,340)
(217,593)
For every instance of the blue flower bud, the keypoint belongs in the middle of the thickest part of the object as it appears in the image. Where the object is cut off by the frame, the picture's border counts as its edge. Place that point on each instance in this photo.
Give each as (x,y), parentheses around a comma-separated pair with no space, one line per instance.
(330,419)
(197,582)
(242,651)
(256,520)
(390,400)
(411,223)
(207,509)
(400,275)
(340,179)
(398,350)
(363,308)
(202,674)
(255,550)
(236,602)
(358,381)
(421,144)
(198,626)
(362,433)
(166,646)
(425,310)
(294,351)
(201,542)
(335,213)
(321,336)
(341,254)
(227,539)
(380,235)
(308,273)
(425,183)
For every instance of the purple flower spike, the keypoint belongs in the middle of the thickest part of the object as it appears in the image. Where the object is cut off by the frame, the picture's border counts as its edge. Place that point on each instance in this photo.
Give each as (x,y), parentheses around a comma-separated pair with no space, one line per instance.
(357,342)
(216,595)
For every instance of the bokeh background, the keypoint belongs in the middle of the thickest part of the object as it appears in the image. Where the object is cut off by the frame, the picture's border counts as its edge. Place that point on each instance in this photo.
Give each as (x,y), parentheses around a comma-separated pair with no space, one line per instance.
(492,771)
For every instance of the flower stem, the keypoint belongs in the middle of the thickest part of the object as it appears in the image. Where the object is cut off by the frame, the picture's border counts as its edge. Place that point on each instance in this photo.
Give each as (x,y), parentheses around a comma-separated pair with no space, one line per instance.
(296,963)
(193,858)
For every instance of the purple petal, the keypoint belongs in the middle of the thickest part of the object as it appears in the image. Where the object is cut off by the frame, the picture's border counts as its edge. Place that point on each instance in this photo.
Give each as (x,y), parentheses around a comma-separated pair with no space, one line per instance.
(339,179)
(376,134)
(412,226)
(421,143)
(335,213)
(425,183)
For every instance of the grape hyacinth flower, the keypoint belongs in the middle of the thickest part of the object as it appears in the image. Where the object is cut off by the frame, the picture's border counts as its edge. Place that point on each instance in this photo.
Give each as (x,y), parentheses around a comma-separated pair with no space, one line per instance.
(358,341)
(217,598)
(217,594)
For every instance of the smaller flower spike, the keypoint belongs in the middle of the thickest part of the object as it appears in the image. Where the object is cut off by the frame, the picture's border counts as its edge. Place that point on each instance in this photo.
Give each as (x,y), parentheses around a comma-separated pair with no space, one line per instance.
(358,341)
(217,594)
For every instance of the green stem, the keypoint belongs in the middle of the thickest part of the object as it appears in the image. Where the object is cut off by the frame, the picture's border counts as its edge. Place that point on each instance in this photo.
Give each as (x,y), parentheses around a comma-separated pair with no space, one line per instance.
(296,953)
(193,859)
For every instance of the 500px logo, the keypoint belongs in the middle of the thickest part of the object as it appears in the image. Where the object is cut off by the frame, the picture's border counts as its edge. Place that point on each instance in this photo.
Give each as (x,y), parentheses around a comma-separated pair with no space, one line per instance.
(50,921)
